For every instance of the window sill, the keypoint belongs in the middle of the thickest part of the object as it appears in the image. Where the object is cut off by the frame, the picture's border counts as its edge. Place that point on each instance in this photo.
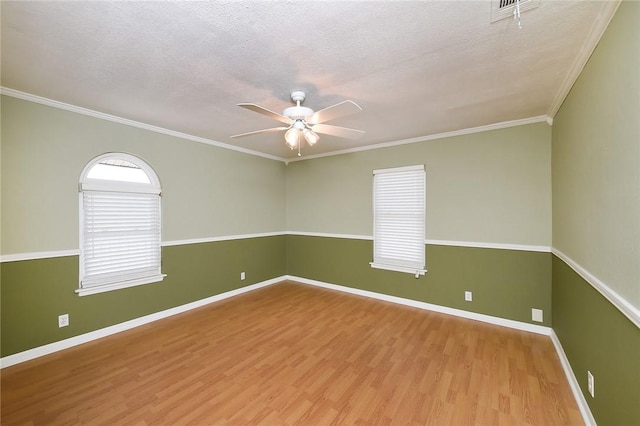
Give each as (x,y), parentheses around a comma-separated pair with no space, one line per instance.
(117,286)
(397,268)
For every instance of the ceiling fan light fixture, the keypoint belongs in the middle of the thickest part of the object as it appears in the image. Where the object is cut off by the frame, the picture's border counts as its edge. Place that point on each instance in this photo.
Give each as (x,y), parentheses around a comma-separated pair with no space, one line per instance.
(304,122)
(292,137)
(310,136)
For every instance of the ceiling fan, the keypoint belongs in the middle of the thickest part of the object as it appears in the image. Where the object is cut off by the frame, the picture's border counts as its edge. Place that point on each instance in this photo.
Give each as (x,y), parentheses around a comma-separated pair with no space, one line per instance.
(303,122)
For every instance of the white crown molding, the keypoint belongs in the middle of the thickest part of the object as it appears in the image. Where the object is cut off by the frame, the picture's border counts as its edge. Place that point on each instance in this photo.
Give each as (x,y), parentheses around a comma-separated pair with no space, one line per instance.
(100,115)
(462,132)
(618,301)
(607,10)
(127,325)
(96,114)
(532,328)
(583,406)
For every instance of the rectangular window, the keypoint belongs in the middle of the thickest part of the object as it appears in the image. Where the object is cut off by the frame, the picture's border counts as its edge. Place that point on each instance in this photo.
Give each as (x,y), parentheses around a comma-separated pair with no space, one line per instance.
(399,216)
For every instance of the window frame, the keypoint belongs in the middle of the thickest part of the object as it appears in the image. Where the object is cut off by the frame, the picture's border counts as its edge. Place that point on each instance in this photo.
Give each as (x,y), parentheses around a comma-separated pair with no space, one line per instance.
(87,184)
(412,266)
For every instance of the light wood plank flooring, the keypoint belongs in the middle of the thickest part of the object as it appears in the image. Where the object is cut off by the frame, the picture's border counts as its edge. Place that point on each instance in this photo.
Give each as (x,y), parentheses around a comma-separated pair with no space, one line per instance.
(296,354)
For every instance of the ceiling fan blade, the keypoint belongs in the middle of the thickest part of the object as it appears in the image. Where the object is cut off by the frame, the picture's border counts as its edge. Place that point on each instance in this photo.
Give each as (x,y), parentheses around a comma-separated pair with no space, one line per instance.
(342,132)
(273,129)
(267,112)
(334,111)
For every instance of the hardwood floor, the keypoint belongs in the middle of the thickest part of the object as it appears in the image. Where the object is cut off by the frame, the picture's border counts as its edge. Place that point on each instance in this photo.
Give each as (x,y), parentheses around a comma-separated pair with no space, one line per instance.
(295,354)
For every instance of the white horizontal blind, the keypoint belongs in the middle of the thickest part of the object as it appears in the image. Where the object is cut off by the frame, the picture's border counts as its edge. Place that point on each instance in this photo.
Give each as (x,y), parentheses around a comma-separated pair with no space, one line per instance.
(121,237)
(399,202)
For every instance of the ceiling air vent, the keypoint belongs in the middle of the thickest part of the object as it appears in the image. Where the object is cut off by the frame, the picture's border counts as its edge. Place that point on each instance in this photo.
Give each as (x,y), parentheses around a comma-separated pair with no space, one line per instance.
(501,9)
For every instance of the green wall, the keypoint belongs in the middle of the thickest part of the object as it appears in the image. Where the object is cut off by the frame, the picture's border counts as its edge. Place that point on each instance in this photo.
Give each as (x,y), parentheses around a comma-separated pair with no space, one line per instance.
(35,292)
(596,220)
(505,186)
(597,337)
(498,179)
(505,283)
(491,188)
(209,193)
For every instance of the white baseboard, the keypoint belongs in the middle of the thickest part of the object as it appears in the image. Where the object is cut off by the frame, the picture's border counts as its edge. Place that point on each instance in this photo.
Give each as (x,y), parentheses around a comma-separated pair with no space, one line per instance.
(547,331)
(518,325)
(117,328)
(127,325)
(583,406)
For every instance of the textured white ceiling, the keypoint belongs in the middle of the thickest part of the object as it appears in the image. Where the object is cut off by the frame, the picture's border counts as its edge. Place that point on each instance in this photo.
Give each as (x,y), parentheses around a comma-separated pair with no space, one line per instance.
(417,68)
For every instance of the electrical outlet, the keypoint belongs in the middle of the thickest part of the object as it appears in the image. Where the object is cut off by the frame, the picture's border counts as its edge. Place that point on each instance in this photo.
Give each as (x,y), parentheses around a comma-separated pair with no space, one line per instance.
(63,320)
(536,315)
(242,275)
(468,296)
(591,384)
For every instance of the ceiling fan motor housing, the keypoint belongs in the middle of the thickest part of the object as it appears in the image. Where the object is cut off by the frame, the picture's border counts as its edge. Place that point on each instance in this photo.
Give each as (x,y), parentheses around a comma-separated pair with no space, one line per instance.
(298,112)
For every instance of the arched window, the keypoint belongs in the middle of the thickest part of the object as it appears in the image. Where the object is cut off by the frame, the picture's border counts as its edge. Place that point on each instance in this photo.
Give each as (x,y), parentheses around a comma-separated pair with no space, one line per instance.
(119,224)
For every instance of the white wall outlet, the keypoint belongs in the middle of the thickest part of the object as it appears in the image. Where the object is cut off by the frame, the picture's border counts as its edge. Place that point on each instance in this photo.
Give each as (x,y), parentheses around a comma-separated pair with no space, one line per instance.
(468,296)
(242,275)
(63,320)
(536,315)
(591,384)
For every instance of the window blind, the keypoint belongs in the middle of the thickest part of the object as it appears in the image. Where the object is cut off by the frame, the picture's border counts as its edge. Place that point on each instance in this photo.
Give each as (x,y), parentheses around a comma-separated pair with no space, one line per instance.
(399,201)
(121,237)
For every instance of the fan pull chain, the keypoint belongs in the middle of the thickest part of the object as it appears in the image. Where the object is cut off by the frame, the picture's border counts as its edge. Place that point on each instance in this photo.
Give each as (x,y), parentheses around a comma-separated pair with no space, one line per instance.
(516,14)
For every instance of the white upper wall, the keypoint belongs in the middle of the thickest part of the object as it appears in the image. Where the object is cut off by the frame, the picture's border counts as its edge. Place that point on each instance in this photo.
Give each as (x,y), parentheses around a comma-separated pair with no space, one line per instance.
(596,161)
(207,191)
(489,187)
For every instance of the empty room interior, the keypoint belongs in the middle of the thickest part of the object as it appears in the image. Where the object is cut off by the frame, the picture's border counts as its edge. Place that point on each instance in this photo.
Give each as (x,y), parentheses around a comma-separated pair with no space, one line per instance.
(320,212)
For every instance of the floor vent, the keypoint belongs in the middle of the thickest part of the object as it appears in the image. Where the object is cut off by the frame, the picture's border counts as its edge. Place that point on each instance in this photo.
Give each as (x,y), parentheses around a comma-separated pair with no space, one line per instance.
(501,9)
